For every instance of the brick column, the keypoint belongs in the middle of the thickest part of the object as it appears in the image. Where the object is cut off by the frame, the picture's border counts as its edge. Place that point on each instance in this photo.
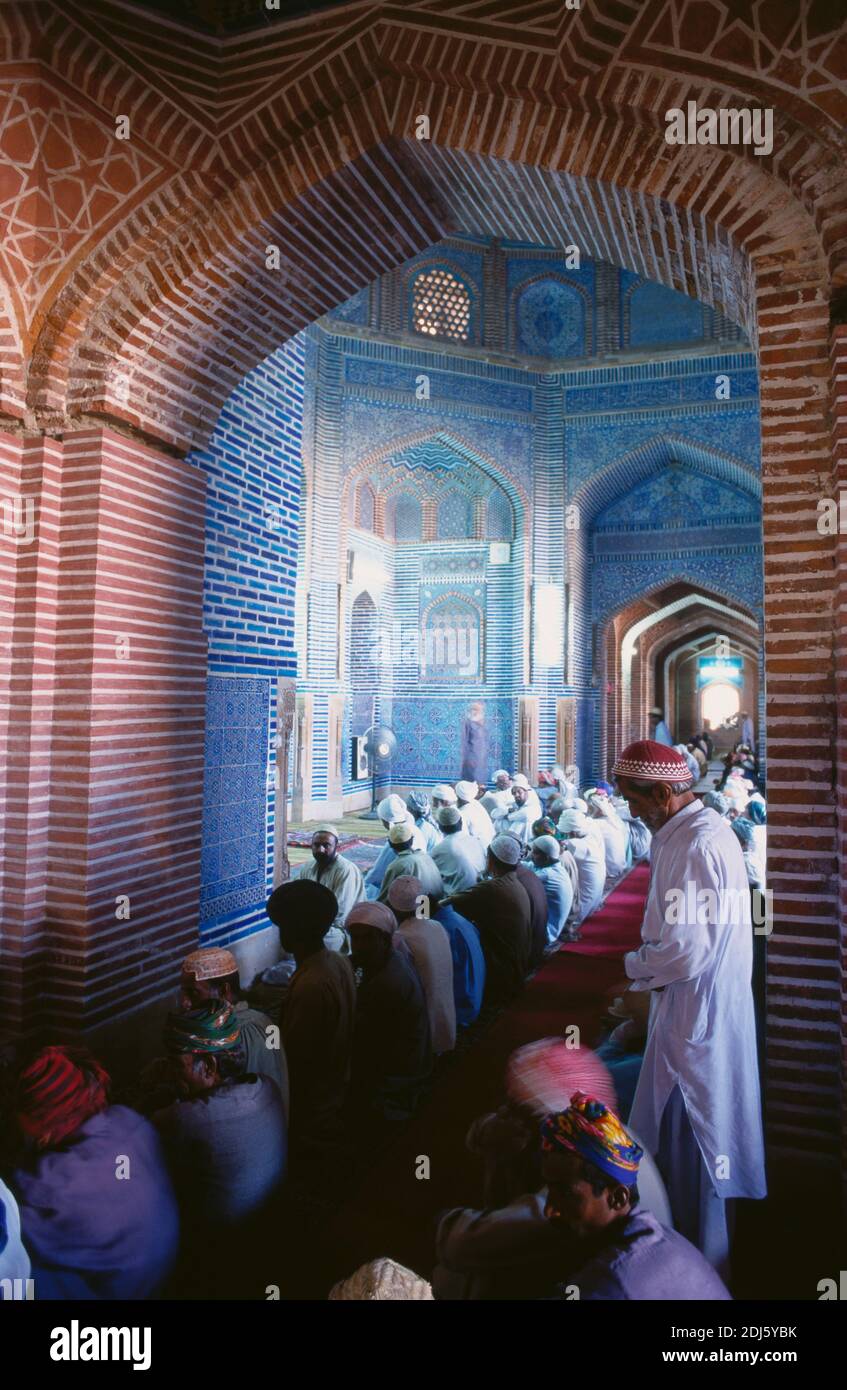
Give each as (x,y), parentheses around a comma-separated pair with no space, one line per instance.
(838,399)
(105,726)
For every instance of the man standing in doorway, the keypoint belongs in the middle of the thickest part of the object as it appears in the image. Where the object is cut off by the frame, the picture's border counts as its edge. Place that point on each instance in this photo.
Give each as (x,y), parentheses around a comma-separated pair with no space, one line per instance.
(697,1105)
(659,731)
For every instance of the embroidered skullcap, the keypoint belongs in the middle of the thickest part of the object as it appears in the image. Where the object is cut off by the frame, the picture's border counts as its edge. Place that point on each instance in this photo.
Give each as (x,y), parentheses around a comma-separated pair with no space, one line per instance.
(58,1091)
(302,902)
(573,823)
(717,801)
(382,1280)
(372,915)
(648,761)
(211,963)
(404,893)
(417,803)
(325,829)
(443,792)
(391,808)
(401,831)
(466,791)
(506,848)
(544,1075)
(549,845)
(591,1129)
(213,1027)
(449,815)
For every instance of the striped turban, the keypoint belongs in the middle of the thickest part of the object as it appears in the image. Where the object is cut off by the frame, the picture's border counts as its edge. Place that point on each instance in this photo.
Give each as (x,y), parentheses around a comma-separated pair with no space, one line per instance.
(212,1028)
(590,1129)
(58,1091)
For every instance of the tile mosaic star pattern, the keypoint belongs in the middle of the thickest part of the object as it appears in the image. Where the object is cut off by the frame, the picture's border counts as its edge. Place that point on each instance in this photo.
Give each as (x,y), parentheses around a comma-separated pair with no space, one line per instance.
(234,795)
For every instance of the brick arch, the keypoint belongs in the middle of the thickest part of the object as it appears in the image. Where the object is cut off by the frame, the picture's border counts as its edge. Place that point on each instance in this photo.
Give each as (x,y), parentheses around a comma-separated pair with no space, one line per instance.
(12,357)
(669,635)
(197,302)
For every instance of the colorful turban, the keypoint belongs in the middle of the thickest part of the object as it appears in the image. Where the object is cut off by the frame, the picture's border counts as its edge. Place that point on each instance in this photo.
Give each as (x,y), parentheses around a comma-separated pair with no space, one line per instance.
(300,902)
(372,914)
(404,893)
(757,811)
(589,1128)
(605,787)
(58,1091)
(212,1028)
(744,830)
(648,761)
(391,808)
(211,963)
(544,1075)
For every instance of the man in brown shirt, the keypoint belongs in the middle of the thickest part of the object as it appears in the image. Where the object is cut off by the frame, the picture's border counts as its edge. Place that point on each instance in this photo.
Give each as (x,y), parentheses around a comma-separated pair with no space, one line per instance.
(317,1015)
(501,912)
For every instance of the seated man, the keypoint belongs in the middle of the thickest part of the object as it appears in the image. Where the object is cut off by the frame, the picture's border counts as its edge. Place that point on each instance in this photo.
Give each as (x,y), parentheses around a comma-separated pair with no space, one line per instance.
(226,1137)
(612,1248)
(98,1213)
(500,909)
(317,1018)
(517,816)
(460,857)
(610,829)
(474,814)
(392,1049)
(590,862)
(408,860)
(499,798)
(419,808)
(212,973)
(546,862)
(429,947)
(341,876)
(389,810)
(468,964)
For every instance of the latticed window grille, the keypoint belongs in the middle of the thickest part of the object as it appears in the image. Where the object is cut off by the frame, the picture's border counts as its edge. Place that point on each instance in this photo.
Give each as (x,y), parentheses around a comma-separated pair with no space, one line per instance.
(441,305)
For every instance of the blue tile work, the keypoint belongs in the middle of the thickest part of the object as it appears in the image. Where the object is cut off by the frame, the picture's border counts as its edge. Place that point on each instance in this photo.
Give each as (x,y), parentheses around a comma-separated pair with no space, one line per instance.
(659,315)
(253,466)
(429,737)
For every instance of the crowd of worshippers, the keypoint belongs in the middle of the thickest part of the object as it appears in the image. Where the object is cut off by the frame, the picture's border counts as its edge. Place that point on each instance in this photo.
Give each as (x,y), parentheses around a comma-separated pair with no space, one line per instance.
(116,1194)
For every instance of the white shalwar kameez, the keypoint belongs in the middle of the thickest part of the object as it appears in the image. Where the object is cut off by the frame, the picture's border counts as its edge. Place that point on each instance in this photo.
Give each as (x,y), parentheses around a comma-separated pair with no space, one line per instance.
(697,1105)
(477,822)
(516,820)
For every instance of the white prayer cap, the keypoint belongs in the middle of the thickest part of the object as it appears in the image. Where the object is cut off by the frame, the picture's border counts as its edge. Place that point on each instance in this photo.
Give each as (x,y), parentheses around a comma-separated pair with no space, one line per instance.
(382,1280)
(571,822)
(325,829)
(466,791)
(549,845)
(449,815)
(391,808)
(401,830)
(506,848)
(521,781)
(501,772)
(578,805)
(443,792)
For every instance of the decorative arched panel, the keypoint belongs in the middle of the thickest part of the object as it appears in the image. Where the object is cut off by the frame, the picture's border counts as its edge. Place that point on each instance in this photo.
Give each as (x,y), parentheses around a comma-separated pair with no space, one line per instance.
(365,506)
(452,640)
(455,516)
(499,522)
(404,519)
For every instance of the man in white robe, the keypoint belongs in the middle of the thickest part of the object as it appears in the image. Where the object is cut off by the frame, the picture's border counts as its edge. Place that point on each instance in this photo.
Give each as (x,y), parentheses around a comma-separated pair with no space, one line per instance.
(587,851)
(389,810)
(500,796)
(533,800)
(518,817)
(474,814)
(341,876)
(697,1105)
(659,731)
(459,857)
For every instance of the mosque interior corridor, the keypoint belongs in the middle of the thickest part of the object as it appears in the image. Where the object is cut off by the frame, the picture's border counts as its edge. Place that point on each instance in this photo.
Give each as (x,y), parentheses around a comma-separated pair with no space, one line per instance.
(422,703)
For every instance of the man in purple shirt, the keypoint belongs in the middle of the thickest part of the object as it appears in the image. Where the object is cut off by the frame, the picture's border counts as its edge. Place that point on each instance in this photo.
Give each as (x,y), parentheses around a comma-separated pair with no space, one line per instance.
(613,1248)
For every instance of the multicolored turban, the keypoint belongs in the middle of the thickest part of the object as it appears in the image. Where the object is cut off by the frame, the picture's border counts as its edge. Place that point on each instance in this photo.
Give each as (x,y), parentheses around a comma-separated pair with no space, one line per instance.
(417,803)
(58,1091)
(757,811)
(212,1028)
(590,1129)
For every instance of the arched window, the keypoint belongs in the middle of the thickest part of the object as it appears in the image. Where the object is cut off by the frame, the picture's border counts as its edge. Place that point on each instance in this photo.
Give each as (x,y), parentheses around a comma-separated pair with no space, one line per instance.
(455,516)
(441,305)
(364,639)
(718,701)
(405,514)
(499,517)
(366,503)
(452,640)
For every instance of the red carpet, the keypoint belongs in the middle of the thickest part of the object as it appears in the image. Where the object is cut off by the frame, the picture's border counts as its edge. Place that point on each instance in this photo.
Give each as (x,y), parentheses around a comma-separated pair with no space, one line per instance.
(392,1211)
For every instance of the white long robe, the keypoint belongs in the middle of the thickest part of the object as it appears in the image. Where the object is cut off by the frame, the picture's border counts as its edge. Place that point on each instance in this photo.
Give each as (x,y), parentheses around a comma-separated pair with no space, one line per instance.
(702,1032)
(478,822)
(460,859)
(591,867)
(516,820)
